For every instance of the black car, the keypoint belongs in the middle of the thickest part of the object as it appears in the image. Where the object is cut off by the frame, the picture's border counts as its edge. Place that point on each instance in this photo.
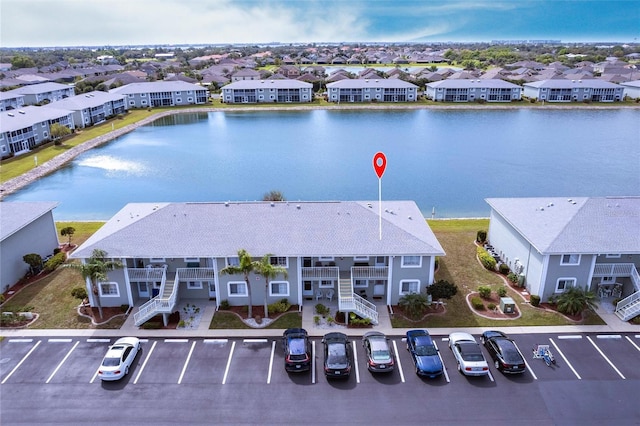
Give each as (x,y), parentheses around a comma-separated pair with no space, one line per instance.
(337,355)
(297,352)
(380,357)
(504,352)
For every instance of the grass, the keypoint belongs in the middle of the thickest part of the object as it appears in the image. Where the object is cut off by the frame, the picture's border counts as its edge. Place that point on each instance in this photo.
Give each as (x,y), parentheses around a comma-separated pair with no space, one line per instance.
(228,320)
(460,267)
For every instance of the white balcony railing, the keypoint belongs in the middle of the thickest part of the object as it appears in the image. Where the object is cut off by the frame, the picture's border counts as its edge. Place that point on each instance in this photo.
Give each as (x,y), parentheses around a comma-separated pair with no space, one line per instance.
(321,272)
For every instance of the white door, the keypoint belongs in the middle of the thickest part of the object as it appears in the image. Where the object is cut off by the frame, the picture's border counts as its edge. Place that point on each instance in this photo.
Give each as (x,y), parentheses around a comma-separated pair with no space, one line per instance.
(307,289)
(212,289)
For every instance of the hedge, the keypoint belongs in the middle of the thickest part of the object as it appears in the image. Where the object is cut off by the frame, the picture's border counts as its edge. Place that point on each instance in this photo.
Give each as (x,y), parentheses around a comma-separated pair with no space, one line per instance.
(486,259)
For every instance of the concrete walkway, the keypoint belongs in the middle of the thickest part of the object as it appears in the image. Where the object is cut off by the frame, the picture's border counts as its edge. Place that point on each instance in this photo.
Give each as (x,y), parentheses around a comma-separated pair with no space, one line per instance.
(207,309)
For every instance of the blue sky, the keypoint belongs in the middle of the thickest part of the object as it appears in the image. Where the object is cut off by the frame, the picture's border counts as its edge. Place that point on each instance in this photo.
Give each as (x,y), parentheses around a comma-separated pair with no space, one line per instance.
(118,22)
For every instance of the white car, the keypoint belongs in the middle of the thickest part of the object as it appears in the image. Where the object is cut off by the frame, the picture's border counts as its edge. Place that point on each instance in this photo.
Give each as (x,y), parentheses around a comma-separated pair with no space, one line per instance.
(116,363)
(468,354)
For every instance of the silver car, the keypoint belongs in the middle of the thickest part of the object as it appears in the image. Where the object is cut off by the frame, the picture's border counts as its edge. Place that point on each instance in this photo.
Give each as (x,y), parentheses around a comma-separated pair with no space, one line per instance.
(468,354)
(116,363)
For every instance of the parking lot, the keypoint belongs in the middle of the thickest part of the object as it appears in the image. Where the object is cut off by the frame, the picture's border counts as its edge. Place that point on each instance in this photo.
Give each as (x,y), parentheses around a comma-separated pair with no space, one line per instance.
(229,362)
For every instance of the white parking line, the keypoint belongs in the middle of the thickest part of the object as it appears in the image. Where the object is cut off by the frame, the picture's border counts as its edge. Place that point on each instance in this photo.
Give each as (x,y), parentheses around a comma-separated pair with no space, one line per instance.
(144,364)
(273,350)
(605,357)
(570,336)
(254,341)
(21,361)
(226,370)
(355,361)
(176,340)
(608,336)
(186,362)
(526,363)
(216,341)
(62,362)
(313,362)
(395,348)
(59,340)
(20,340)
(631,341)
(444,370)
(565,358)
(490,376)
(98,340)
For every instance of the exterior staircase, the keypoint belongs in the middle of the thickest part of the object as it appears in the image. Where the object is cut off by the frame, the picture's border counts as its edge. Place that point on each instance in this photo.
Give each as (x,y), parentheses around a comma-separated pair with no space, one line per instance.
(162,303)
(629,307)
(348,301)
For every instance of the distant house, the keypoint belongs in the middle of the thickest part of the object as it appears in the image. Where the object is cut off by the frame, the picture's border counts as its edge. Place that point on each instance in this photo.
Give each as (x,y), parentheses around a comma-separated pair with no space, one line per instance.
(631,89)
(366,90)
(9,101)
(174,251)
(245,74)
(463,90)
(23,129)
(161,93)
(93,107)
(561,90)
(267,91)
(555,243)
(44,92)
(25,227)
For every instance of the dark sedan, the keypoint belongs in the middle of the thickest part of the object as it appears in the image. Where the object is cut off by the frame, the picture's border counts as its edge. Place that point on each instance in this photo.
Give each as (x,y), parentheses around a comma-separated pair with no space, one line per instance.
(424,353)
(297,352)
(337,355)
(504,352)
(380,358)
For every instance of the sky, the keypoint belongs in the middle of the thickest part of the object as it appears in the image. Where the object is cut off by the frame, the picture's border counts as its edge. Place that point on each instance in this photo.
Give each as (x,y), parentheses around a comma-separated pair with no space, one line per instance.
(41,23)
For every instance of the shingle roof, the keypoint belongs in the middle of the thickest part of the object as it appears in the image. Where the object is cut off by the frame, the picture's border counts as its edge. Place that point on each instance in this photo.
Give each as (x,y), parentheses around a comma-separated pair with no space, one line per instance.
(283,228)
(27,116)
(359,83)
(34,89)
(471,83)
(86,100)
(271,83)
(570,84)
(16,215)
(156,86)
(556,225)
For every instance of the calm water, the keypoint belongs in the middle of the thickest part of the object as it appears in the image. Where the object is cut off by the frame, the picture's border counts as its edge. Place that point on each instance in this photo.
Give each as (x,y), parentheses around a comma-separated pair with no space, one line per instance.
(450,160)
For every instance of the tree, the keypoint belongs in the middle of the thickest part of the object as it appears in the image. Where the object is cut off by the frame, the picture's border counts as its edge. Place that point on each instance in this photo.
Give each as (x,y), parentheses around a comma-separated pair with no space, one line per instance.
(95,269)
(68,231)
(575,300)
(34,260)
(273,196)
(414,304)
(59,131)
(244,267)
(269,272)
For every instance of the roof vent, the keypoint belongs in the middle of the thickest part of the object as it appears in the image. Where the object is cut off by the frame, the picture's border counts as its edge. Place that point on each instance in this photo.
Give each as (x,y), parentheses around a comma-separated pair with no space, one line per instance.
(226,204)
(369,205)
(298,206)
(21,111)
(541,209)
(410,218)
(10,114)
(550,205)
(273,204)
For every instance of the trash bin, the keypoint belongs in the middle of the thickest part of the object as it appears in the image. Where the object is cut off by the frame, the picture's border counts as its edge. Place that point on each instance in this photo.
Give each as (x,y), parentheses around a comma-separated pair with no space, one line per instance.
(507,305)
(521,280)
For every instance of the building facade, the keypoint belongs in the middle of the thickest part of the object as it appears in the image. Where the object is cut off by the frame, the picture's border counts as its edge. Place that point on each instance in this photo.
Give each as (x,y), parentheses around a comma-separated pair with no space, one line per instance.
(38,94)
(372,90)
(559,90)
(9,101)
(471,90)
(267,91)
(161,93)
(329,249)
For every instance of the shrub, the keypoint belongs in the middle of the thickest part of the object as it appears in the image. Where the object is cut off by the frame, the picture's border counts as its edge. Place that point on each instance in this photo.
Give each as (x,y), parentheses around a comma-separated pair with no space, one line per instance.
(486,259)
(491,306)
(535,300)
(485,291)
(330,320)
(316,319)
(477,303)
(414,305)
(360,322)
(481,236)
(224,304)
(55,261)
(124,308)
(322,310)
(504,269)
(79,293)
(502,291)
(575,300)
(442,290)
(57,250)
(512,277)
(279,307)
(152,325)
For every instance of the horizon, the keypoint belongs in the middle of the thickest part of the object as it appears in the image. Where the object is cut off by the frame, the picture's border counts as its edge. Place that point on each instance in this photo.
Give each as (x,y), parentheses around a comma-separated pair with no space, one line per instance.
(274,22)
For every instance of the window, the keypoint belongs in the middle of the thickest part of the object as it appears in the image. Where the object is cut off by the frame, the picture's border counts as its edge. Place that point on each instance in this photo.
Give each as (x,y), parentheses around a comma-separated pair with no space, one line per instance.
(192,259)
(109,289)
(411,261)
(325,258)
(361,283)
(156,259)
(570,259)
(326,284)
(278,288)
(564,283)
(360,258)
(607,280)
(409,287)
(613,256)
(194,285)
(233,261)
(237,288)
(278,261)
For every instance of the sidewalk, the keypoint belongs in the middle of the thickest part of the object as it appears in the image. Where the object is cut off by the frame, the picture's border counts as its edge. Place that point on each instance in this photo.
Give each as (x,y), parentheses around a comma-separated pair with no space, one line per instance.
(613,325)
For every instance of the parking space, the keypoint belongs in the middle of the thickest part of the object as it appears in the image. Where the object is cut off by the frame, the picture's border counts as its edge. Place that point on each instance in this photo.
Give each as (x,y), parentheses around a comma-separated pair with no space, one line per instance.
(561,370)
(621,353)
(13,354)
(38,365)
(250,362)
(207,362)
(580,354)
(81,363)
(160,361)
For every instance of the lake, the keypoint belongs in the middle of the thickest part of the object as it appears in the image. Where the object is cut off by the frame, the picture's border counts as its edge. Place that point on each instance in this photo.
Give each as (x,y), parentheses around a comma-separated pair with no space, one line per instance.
(450,160)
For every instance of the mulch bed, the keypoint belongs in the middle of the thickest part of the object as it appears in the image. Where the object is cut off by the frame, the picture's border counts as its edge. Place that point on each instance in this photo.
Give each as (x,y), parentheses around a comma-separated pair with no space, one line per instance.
(492,313)
(243,311)
(431,310)
(107,313)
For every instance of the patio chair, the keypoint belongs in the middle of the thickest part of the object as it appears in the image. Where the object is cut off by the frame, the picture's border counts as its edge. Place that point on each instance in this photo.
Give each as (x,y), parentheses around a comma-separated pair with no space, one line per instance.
(330,295)
(319,294)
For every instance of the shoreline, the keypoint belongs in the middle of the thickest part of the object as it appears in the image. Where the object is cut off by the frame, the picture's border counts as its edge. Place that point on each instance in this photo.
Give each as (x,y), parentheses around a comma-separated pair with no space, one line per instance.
(41,170)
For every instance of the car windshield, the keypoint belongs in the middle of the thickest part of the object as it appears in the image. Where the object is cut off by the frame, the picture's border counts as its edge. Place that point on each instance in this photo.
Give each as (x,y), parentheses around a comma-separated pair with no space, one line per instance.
(111,362)
(337,354)
(296,346)
(470,352)
(379,350)
(510,353)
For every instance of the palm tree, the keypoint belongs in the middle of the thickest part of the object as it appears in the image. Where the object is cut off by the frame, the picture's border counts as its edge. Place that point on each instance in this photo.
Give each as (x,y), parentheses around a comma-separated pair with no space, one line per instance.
(575,300)
(245,267)
(96,268)
(269,272)
(68,231)
(414,304)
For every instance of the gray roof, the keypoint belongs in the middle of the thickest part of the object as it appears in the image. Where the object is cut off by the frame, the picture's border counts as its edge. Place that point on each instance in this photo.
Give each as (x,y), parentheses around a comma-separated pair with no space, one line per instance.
(10,95)
(27,116)
(339,228)
(570,84)
(156,86)
(16,215)
(86,100)
(635,83)
(34,89)
(463,83)
(271,83)
(359,83)
(557,225)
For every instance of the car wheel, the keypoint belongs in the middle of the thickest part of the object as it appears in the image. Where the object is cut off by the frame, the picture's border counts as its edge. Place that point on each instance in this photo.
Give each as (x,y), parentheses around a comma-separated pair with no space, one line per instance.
(497,365)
